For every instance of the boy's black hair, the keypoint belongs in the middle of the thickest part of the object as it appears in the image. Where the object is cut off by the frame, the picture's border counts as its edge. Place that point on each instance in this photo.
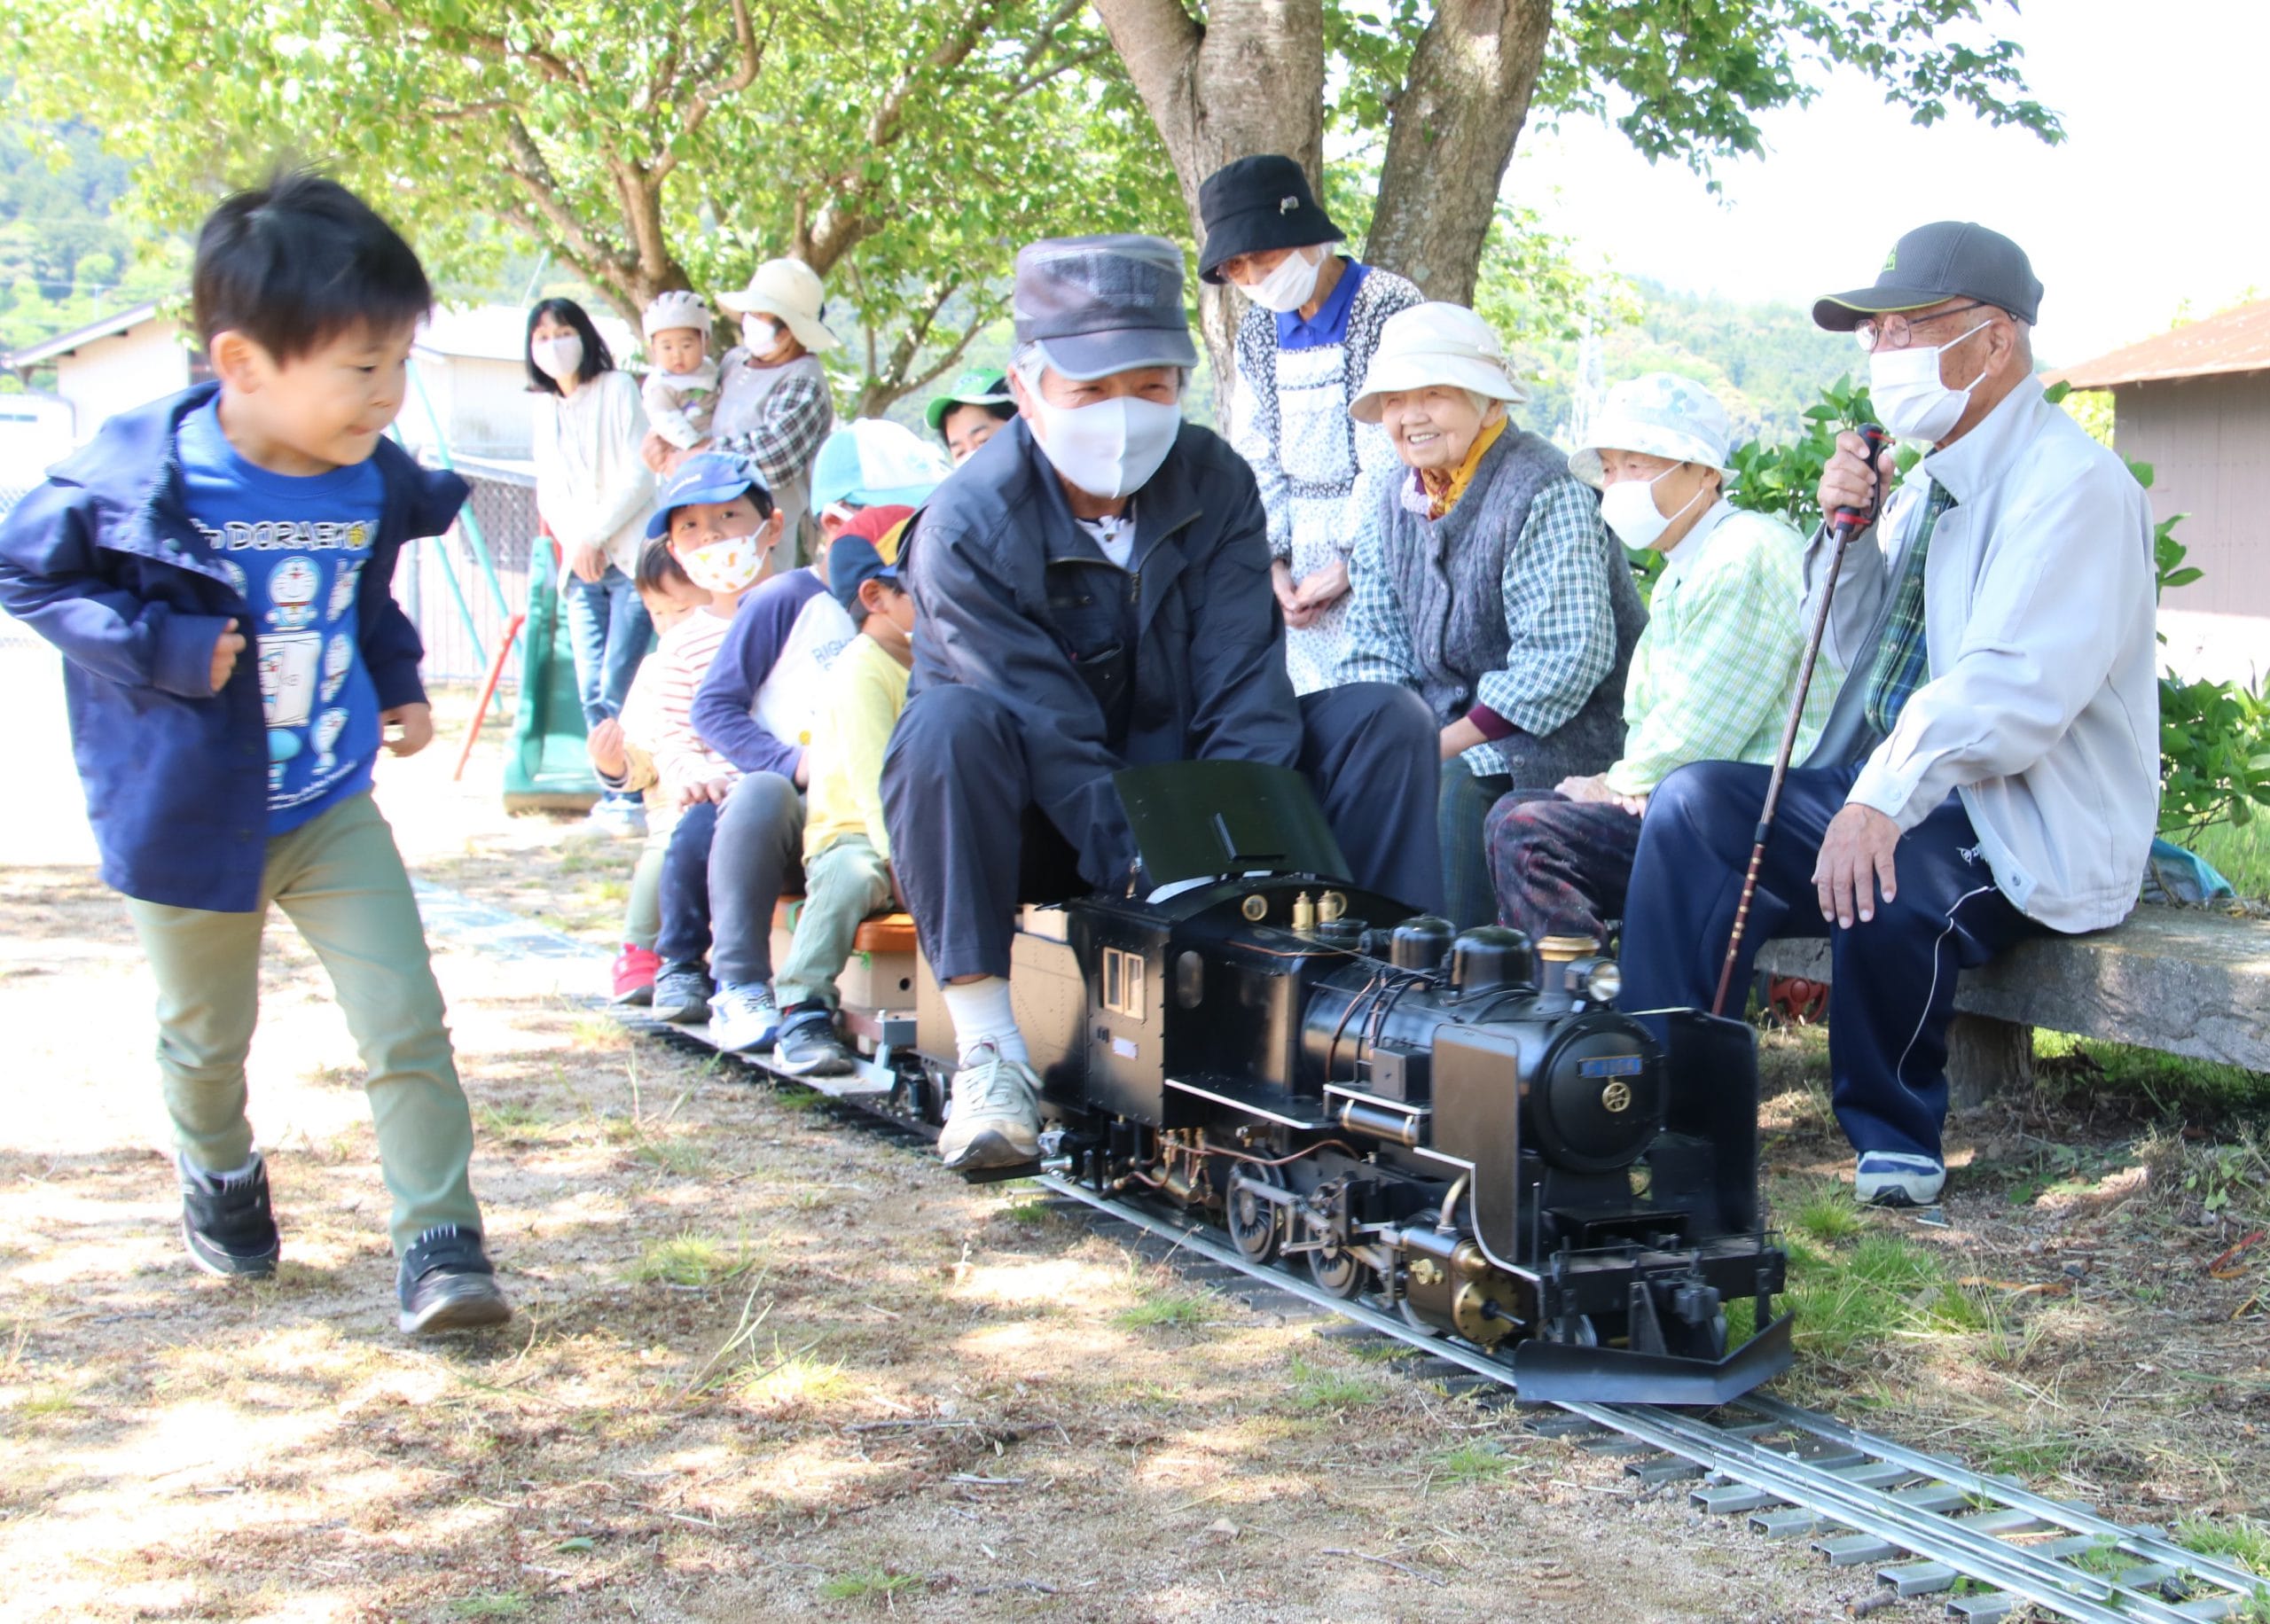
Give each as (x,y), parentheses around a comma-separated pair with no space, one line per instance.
(1001,411)
(659,569)
(597,356)
(300,261)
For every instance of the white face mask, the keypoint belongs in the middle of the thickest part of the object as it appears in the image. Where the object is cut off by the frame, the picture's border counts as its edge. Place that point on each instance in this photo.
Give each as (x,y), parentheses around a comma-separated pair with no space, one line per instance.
(1289,286)
(1629,508)
(727,564)
(559,358)
(1111,448)
(1904,384)
(760,334)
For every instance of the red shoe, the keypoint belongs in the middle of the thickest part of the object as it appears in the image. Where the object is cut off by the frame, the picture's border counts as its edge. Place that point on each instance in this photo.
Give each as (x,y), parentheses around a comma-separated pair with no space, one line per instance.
(634,971)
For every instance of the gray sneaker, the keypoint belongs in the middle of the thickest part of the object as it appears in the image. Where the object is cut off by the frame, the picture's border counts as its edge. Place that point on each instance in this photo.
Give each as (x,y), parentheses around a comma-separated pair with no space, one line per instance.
(995,1120)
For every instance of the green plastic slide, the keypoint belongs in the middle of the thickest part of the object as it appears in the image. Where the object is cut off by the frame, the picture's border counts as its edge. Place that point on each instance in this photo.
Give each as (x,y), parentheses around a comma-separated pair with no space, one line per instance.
(548,768)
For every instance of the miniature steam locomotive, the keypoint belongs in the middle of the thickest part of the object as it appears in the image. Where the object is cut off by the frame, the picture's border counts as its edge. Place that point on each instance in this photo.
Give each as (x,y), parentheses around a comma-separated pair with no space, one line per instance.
(1409,1113)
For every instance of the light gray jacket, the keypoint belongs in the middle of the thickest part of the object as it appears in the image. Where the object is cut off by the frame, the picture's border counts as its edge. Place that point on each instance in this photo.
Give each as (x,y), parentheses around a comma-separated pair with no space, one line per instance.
(2042,710)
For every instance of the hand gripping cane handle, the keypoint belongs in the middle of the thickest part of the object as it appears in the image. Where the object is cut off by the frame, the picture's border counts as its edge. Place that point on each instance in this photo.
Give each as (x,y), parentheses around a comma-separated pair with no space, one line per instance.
(1846,524)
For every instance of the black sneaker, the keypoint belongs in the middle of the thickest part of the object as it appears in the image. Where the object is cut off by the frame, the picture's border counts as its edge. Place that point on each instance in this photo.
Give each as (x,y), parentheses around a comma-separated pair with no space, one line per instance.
(227,1224)
(808,1046)
(682,994)
(447,1283)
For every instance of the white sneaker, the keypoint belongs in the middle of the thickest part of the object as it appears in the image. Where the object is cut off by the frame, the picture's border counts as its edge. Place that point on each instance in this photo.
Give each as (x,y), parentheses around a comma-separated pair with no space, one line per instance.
(994,1119)
(744,1019)
(617,820)
(1893,1178)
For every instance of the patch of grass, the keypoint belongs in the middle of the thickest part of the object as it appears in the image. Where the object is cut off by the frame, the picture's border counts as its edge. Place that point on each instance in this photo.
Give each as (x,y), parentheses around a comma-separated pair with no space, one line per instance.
(867,1584)
(1167,1307)
(511,1120)
(790,1380)
(1314,1388)
(491,1604)
(1829,1214)
(2084,1073)
(681,1157)
(689,1258)
(1481,1462)
(597,1032)
(1850,1297)
(2236,1539)
(2241,855)
(47,1401)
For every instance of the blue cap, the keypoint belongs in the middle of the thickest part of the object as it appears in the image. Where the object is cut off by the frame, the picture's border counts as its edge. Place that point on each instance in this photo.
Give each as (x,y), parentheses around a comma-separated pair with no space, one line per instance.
(711,477)
(852,560)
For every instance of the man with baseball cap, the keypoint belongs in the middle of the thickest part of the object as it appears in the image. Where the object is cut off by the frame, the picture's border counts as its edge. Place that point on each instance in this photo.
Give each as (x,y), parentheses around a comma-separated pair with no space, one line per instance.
(1093,588)
(1991,767)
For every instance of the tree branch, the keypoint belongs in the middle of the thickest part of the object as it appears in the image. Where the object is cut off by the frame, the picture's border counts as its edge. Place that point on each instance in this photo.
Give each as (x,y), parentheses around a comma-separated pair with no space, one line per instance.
(1025,86)
(480,41)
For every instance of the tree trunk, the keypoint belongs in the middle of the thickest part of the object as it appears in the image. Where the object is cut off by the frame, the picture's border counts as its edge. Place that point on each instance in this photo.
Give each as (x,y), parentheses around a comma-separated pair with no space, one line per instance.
(1451,136)
(1248,80)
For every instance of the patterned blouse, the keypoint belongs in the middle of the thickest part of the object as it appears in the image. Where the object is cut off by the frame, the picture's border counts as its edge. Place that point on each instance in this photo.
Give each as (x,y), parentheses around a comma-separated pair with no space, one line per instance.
(1322,474)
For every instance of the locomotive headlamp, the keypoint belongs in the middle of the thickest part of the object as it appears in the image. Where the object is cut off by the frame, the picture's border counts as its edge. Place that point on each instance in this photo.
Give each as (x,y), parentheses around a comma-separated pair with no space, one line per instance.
(1599,979)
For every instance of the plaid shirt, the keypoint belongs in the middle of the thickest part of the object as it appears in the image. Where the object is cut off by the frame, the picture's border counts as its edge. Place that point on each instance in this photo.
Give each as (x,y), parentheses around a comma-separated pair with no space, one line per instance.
(1712,677)
(1557,612)
(795,420)
(1903,662)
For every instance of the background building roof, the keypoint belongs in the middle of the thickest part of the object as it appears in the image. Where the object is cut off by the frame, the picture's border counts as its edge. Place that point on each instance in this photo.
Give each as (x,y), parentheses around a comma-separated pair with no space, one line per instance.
(2236,341)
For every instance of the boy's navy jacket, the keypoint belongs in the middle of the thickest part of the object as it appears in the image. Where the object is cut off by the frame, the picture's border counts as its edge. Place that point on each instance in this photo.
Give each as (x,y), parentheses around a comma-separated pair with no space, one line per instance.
(103,562)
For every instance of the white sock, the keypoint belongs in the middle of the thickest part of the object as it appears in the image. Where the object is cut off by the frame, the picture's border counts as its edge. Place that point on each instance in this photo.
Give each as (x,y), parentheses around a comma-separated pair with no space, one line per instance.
(214,1182)
(982,1014)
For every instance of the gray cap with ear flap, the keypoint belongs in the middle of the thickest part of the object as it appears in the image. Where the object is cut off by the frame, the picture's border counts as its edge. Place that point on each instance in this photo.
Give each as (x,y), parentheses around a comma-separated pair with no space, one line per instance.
(1100,305)
(1948,259)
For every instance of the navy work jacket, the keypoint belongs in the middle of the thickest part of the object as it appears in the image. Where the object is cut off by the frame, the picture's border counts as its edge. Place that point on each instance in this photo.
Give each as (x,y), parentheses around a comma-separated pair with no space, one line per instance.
(1180,656)
(103,562)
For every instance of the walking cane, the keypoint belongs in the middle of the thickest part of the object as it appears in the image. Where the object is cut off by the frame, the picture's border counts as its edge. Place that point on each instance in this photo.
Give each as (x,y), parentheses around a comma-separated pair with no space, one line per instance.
(1848,523)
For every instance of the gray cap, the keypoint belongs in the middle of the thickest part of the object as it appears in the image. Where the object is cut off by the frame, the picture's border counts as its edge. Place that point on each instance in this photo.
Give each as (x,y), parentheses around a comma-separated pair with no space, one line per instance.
(1100,305)
(1948,259)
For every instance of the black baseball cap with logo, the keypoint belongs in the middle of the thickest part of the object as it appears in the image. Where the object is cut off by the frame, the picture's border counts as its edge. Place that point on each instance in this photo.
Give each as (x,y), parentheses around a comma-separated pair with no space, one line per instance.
(1948,259)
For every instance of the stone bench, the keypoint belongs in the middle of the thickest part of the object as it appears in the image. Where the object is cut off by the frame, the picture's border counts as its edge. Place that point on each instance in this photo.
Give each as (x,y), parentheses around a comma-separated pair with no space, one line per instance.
(2185,981)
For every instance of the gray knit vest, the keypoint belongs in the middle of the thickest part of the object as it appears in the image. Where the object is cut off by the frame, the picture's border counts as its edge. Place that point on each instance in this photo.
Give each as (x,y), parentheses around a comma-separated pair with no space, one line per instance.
(1450,574)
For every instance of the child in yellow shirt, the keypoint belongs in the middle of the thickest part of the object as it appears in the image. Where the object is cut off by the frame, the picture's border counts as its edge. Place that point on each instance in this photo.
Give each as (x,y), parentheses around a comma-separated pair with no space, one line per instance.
(847,852)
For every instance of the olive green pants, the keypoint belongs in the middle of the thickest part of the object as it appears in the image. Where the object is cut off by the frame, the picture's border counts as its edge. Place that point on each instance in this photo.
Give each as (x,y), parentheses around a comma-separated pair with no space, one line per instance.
(339,880)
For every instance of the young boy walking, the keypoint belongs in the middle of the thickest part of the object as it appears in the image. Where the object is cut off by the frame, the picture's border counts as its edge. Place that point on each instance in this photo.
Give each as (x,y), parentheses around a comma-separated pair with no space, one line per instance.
(846,850)
(216,568)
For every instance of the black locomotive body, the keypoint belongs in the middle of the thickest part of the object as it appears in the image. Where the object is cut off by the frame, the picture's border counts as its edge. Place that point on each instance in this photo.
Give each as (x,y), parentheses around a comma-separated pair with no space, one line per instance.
(1412,1117)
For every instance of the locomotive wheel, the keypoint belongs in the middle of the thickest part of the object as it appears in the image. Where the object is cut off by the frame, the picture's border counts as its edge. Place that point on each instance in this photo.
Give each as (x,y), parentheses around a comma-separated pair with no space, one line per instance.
(1256,1224)
(1411,1318)
(1577,1329)
(1337,1271)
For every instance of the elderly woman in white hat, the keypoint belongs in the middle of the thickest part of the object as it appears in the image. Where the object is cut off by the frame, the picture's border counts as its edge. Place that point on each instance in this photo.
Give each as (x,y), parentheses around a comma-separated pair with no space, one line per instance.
(773,406)
(1714,673)
(1490,586)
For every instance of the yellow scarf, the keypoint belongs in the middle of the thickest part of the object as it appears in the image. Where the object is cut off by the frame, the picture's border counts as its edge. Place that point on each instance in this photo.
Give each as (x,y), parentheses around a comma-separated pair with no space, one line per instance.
(1443,489)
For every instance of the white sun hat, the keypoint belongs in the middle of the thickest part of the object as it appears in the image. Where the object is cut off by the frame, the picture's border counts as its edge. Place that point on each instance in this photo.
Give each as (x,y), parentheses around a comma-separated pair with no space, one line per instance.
(1435,344)
(790,290)
(1657,414)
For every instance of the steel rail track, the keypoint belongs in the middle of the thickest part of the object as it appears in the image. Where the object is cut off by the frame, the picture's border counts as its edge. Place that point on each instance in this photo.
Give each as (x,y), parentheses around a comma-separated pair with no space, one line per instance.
(1875,1499)
(1883,1498)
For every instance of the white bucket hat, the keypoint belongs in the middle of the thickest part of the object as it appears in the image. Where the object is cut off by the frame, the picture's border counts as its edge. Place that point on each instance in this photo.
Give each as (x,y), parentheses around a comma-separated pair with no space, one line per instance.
(790,290)
(1657,414)
(1435,344)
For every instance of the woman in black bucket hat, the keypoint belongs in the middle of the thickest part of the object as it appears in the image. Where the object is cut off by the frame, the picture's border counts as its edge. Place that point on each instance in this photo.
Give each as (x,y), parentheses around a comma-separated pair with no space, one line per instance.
(1312,322)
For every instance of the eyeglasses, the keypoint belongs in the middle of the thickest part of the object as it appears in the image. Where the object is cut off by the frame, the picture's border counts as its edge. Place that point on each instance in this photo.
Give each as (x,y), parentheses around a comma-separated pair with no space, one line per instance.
(1896,332)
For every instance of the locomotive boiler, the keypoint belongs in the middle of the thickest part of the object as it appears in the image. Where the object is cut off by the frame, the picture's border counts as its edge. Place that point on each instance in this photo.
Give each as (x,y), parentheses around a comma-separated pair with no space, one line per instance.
(1462,1127)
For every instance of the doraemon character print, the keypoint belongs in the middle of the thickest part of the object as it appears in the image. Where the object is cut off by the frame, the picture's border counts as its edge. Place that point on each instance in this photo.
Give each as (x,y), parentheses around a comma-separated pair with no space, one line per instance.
(327,734)
(235,572)
(291,587)
(338,655)
(342,592)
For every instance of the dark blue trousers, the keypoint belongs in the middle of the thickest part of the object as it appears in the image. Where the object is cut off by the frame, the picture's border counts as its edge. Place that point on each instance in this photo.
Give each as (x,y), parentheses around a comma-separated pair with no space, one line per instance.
(969,844)
(1892,989)
(685,936)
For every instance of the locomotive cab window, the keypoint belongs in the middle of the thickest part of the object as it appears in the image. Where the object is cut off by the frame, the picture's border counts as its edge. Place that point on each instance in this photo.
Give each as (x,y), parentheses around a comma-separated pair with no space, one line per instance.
(1123,982)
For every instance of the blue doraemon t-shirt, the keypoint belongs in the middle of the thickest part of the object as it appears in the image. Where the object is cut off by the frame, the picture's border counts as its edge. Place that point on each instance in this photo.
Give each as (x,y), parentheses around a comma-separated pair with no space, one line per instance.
(294,549)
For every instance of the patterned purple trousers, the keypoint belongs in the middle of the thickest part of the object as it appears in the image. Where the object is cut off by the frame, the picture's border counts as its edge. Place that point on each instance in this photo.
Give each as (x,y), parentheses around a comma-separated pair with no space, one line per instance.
(1559,867)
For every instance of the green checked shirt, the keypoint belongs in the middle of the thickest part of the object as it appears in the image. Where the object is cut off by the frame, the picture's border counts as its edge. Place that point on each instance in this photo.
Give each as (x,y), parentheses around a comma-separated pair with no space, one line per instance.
(1713,673)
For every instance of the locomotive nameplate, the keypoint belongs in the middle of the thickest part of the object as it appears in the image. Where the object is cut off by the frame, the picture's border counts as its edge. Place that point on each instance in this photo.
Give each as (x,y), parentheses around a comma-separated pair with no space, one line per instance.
(1611,1065)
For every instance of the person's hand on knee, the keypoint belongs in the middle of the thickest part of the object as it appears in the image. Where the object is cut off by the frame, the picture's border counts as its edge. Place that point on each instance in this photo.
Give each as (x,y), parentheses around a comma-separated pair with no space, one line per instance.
(1855,862)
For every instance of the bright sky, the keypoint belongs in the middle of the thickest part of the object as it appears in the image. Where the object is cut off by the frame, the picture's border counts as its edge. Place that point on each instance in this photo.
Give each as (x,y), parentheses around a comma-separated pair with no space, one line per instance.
(2155,196)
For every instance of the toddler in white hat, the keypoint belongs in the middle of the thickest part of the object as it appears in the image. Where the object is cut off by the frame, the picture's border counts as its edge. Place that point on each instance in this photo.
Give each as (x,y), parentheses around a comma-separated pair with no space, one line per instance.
(681,386)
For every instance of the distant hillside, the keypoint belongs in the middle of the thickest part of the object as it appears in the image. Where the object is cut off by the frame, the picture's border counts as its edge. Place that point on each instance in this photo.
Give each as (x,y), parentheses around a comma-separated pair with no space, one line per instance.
(1766,362)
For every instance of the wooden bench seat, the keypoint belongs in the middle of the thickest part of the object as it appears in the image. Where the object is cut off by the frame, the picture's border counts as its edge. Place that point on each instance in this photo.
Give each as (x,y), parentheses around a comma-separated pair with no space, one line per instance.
(890,932)
(2184,980)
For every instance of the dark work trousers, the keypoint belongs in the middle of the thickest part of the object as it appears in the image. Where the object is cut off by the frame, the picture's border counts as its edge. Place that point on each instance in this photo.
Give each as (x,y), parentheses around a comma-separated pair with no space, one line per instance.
(684,940)
(756,855)
(969,845)
(1559,866)
(1892,989)
(1464,802)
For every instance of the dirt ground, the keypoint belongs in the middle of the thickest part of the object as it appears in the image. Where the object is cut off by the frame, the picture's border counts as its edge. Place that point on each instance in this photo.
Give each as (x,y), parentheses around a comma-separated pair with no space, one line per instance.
(768,1366)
